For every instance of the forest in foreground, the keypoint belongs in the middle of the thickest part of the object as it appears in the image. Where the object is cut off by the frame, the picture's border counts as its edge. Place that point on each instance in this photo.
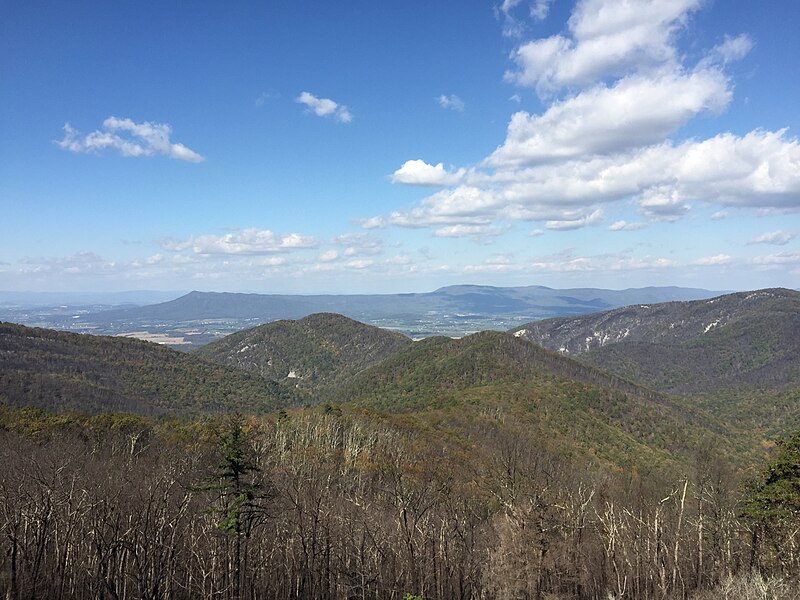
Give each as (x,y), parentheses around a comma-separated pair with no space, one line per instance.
(345,504)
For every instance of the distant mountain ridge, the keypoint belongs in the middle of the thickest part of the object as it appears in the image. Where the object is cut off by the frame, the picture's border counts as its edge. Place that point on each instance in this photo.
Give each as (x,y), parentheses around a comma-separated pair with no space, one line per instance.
(746,340)
(515,302)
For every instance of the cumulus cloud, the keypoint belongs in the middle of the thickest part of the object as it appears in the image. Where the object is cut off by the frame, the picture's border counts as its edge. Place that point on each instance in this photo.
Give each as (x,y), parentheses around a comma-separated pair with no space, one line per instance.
(247,241)
(129,139)
(540,9)
(606,38)
(776,238)
(451,102)
(418,172)
(635,112)
(325,107)
(613,133)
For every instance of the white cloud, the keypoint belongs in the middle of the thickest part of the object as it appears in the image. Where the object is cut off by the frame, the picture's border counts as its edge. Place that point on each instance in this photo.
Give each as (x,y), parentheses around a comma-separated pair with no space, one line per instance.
(626,226)
(779,259)
(372,223)
(720,215)
(271,261)
(512,27)
(329,255)
(713,261)
(732,49)
(462,205)
(467,231)
(777,238)
(645,263)
(325,107)
(662,203)
(635,112)
(613,136)
(575,222)
(245,242)
(358,244)
(451,102)
(418,172)
(759,170)
(359,264)
(75,264)
(540,9)
(130,139)
(607,38)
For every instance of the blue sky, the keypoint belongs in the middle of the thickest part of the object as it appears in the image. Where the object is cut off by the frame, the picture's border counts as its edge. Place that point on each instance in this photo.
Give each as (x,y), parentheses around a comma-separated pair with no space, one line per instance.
(375,147)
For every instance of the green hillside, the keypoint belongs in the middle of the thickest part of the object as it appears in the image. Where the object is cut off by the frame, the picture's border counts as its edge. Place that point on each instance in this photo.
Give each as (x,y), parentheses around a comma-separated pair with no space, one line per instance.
(737,356)
(310,352)
(747,340)
(69,372)
(579,408)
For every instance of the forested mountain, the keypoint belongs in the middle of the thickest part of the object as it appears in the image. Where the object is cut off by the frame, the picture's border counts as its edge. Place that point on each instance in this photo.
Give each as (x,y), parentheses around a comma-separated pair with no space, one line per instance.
(62,372)
(579,408)
(747,339)
(737,355)
(309,353)
(335,359)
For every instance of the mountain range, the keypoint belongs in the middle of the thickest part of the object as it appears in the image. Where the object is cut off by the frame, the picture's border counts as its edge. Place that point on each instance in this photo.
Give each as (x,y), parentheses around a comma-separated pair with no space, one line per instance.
(644,384)
(453,310)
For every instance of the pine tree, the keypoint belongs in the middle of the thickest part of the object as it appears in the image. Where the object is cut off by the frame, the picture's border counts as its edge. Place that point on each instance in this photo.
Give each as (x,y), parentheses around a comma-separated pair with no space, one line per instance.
(241,496)
(773,505)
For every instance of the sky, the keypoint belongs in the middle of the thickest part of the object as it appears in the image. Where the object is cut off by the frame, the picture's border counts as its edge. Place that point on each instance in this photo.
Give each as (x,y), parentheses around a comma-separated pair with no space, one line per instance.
(373,147)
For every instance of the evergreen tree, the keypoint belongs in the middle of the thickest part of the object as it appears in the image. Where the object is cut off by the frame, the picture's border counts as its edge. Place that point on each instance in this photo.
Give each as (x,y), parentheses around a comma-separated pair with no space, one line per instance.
(241,501)
(773,505)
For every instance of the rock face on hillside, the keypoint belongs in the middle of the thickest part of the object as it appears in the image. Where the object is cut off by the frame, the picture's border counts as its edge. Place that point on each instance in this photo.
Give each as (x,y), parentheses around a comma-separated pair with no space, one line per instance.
(309,352)
(747,339)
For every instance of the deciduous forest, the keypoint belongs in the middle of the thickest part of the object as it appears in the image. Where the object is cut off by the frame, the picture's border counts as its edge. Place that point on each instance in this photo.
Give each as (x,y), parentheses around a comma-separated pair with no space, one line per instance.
(325,503)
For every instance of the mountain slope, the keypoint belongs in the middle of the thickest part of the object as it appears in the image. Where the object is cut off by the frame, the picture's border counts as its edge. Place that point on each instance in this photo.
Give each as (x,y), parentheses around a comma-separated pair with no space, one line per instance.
(316,350)
(744,340)
(70,372)
(582,409)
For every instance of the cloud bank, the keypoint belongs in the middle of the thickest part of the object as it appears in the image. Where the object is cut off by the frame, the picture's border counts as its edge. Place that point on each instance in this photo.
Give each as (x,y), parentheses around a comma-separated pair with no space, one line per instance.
(618,93)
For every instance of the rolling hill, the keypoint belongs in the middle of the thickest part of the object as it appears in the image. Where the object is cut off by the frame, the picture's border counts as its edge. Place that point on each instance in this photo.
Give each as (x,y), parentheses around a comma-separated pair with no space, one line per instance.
(578,408)
(65,372)
(311,352)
